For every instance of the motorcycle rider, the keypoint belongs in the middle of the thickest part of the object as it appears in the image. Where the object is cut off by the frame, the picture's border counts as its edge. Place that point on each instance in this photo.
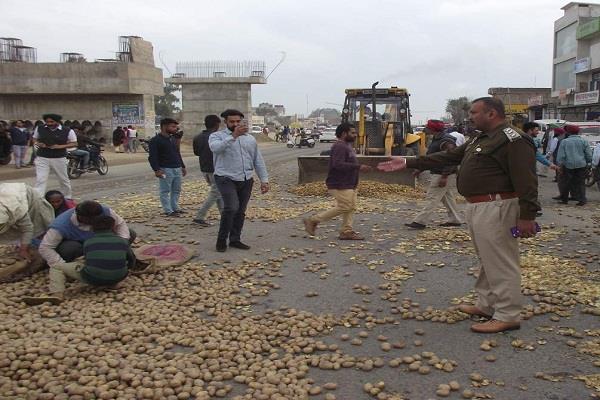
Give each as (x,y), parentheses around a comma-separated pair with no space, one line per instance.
(82,147)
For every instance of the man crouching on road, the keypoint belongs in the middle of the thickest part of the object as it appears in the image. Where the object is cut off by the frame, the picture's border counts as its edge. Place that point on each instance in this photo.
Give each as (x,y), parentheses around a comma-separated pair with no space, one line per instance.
(342,181)
(497,177)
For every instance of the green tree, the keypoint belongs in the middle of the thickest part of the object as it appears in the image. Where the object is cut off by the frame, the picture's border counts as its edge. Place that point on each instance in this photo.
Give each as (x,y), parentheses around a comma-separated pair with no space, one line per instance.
(458,108)
(167,105)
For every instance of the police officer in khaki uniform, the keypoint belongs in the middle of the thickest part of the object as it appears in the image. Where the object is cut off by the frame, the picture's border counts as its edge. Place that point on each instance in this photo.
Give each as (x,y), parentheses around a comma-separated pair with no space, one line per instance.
(498,179)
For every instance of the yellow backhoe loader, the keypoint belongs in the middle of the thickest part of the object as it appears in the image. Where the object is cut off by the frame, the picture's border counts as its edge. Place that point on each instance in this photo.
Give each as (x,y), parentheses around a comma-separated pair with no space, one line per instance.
(382,118)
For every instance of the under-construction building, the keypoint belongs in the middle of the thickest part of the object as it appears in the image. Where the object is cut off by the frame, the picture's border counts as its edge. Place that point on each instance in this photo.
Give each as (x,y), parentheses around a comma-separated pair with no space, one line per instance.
(104,92)
(211,87)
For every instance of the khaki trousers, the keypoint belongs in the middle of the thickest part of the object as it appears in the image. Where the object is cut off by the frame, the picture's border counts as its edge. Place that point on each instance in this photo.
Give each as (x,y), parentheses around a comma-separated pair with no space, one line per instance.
(345,205)
(60,272)
(498,286)
(437,194)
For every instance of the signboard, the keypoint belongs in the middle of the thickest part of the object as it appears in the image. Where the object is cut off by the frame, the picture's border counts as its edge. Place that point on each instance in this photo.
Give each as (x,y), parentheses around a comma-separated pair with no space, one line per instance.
(128,113)
(515,108)
(586,97)
(581,65)
(588,29)
(535,101)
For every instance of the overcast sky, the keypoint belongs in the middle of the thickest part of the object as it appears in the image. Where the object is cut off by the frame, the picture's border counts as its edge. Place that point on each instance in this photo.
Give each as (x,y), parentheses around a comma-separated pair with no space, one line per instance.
(438,49)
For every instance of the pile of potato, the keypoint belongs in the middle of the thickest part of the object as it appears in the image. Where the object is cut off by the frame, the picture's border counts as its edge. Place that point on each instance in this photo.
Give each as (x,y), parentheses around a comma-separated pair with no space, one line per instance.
(371,189)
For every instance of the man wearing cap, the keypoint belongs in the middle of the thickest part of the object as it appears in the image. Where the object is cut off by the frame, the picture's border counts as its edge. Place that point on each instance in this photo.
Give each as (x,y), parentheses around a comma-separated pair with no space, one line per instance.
(574,156)
(497,177)
(52,140)
(443,181)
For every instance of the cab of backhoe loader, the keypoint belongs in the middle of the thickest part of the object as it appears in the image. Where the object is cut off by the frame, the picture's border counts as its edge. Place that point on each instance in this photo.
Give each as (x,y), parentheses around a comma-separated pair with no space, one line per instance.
(382,117)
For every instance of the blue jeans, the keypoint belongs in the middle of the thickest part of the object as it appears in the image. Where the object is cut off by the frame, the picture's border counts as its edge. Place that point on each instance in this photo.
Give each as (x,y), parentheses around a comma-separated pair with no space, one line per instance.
(169,189)
(84,157)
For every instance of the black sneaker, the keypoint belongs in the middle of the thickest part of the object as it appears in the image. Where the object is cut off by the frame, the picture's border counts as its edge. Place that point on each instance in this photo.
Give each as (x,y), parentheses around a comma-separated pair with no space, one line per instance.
(416,225)
(180,211)
(239,245)
(221,246)
(580,203)
(172,214)
(449,224)
(201,222)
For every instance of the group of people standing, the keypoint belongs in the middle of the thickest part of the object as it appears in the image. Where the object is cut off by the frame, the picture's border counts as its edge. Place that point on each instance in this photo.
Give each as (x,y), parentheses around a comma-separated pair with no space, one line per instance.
(125,139)
(15,140)
(228,159)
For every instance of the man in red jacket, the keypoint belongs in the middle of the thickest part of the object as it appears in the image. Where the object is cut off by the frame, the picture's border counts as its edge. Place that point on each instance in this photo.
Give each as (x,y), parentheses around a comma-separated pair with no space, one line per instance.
(342,181)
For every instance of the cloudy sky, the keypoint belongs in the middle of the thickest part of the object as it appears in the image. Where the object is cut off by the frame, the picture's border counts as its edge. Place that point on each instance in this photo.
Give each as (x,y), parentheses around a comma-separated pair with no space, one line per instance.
(438,49)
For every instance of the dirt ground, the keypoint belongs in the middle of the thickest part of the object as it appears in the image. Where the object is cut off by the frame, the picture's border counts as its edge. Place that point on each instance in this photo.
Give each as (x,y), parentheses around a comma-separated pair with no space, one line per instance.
(300,317)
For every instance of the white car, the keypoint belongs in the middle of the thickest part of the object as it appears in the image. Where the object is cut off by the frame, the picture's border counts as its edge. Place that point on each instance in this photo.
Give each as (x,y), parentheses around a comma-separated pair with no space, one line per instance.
(328,135)
(256,129)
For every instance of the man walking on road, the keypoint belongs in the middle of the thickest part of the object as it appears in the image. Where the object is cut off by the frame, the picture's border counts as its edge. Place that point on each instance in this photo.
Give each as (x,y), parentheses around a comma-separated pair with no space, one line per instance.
(52,140)
(574,155)
(497,177)
(443,181)
(168,166)
(205,156)
(236,156)
(341,181)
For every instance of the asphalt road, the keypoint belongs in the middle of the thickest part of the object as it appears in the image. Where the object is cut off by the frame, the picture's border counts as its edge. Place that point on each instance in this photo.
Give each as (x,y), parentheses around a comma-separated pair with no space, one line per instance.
(351,276)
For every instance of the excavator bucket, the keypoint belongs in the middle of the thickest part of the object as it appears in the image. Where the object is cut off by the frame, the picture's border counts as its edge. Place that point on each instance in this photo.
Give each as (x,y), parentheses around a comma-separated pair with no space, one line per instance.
(315,168)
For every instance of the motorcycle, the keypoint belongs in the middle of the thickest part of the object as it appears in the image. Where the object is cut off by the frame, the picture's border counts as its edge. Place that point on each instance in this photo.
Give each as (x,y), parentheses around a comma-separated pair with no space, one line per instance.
(592,176)
(97,163)
(144,144)
(308,142)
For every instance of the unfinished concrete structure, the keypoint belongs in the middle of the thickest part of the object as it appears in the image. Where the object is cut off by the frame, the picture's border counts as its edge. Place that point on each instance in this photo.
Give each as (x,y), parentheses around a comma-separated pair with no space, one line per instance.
(107,92)
(211,87)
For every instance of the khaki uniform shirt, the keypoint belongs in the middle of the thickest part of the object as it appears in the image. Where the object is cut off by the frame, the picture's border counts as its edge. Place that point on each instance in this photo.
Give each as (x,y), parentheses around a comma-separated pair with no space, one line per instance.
(501,160)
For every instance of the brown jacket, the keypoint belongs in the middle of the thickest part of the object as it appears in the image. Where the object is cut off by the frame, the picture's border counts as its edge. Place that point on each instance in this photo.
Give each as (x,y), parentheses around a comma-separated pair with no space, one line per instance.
(499,161)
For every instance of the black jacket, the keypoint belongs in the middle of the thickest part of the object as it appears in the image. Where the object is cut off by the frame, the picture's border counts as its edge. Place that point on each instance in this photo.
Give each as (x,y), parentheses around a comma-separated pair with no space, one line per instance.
(202,150)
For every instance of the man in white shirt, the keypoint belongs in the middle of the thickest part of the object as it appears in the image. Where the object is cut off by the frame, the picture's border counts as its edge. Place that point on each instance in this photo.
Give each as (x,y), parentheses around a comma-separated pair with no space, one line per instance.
(460,138)
(131,139)
(52,141)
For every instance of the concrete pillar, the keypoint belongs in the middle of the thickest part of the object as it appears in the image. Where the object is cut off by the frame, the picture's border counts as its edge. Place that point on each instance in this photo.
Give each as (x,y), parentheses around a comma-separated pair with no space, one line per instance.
(204,96)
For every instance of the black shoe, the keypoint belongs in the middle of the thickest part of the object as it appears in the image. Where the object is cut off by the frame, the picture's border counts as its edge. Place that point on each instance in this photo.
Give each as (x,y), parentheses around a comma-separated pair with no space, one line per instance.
(239,245)
(203,223)
(180,211)
(449,224)
(221,246)
(172,214)
(581,203)
(416,225)
(557,198)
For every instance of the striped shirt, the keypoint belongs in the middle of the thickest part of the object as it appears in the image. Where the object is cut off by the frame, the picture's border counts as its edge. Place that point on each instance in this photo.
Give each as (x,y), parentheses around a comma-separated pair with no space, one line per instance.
(105,259)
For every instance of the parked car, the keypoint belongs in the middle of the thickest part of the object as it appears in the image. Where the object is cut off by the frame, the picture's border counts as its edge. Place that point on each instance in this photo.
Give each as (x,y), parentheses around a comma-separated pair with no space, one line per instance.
(328,135)
(256,129)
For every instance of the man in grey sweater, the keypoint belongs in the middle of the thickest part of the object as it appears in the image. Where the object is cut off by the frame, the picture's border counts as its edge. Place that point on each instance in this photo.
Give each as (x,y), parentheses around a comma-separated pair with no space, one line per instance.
(236,157)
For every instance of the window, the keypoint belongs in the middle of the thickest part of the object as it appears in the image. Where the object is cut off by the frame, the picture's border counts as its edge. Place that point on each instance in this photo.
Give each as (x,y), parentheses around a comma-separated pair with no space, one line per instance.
(565,42)
(564,77)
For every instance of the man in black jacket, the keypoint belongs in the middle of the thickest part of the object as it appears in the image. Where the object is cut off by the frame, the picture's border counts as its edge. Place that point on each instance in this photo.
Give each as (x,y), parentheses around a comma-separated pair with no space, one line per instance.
(205,156)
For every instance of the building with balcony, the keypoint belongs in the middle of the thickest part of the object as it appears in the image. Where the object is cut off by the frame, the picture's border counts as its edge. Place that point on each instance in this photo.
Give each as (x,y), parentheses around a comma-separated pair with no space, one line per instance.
(576,63)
